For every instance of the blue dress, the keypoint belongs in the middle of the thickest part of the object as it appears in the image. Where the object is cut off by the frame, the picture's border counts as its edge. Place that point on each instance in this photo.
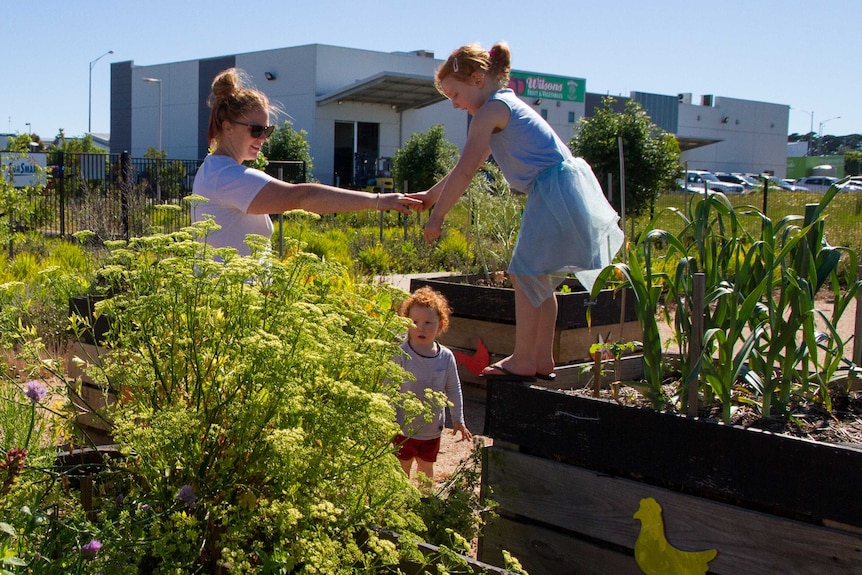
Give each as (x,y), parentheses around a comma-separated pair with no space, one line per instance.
(568,225)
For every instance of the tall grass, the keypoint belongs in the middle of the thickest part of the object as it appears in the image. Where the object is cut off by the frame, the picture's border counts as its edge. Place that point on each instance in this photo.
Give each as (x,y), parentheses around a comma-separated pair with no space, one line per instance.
(843,214)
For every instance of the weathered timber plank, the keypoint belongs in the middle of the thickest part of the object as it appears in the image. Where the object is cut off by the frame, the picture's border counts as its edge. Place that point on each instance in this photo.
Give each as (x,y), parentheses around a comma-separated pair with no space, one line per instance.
(499,338)
(542,551)
(497,304)
(796,478)
(569,375)
(575,343)
(601,508)
(570,345)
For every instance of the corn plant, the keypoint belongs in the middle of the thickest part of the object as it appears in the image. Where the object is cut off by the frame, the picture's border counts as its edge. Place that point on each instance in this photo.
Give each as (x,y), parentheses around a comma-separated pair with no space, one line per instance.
(796,262)
(647,288)
(759,302)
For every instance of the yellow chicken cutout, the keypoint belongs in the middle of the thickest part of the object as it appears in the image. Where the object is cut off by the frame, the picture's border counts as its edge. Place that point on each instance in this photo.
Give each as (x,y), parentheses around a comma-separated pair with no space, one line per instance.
(655,555)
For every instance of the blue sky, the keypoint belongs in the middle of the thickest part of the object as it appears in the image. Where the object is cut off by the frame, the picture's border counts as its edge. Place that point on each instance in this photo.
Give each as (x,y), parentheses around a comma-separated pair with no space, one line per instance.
(798,53)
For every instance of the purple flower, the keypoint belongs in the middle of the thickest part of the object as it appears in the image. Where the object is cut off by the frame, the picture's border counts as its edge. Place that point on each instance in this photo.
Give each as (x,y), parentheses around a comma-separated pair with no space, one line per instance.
(187,495)
(91,549)
(35,391)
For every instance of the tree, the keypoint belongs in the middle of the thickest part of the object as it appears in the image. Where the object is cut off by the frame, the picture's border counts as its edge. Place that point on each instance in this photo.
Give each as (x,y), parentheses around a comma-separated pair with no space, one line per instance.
(84,145)
(853,163)
(651,155)
(286,144)
(424,159)
(23,143)
(167,176)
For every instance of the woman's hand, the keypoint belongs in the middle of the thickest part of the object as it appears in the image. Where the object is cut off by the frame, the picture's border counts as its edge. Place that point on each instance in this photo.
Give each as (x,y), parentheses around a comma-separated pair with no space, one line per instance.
(398,202)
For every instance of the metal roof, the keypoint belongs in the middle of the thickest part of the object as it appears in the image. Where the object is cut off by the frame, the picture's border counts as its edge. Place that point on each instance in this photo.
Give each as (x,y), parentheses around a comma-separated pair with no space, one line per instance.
(400,91)
(688,143)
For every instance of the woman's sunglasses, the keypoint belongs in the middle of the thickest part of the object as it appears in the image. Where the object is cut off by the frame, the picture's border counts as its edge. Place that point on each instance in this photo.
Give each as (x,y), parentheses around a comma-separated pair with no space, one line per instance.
(257,130)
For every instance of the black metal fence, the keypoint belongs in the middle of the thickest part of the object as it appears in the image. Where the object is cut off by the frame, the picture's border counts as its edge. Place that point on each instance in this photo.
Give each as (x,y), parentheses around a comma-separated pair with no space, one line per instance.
(117,196)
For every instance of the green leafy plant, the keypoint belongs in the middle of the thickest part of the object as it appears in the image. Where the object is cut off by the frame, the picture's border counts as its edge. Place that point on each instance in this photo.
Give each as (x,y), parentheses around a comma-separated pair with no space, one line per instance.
(256,406)
(424,159)
(256,411)
(286,144)
(760,345)
(35,286)
(495,215)
(651,154)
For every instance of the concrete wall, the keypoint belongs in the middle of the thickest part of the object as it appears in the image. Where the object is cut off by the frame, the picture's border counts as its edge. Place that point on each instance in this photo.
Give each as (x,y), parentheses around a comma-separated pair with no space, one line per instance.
(753,136)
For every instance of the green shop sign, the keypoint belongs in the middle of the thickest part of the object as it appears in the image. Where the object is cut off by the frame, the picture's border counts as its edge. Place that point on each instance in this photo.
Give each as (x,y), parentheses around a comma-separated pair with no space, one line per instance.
(550,87)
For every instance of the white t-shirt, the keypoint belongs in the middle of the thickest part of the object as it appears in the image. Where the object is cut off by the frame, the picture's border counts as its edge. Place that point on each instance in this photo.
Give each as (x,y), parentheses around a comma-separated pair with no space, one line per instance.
(230,188)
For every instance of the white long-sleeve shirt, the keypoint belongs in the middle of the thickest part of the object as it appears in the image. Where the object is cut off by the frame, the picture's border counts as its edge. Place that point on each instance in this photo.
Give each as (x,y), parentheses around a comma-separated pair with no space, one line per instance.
(439,373)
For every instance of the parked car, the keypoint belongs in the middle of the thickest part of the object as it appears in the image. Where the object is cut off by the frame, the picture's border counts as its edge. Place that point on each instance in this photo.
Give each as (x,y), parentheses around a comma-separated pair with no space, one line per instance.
(735,179)
(786,185)
(851,184)
(754,181)
(697,180)
(816,183)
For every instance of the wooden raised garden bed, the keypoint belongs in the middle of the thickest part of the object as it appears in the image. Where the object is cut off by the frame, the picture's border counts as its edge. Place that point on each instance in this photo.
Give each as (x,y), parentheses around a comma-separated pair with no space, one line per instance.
(569,473)
(89,398)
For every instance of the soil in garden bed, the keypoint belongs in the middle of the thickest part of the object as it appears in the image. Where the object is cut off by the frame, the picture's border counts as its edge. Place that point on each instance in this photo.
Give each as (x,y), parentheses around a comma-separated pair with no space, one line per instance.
(807,419)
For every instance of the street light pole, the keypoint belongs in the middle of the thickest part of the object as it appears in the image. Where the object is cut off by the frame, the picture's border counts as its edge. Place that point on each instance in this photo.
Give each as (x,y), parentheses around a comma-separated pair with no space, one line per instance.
(159,82)
(820,130)
(90,97)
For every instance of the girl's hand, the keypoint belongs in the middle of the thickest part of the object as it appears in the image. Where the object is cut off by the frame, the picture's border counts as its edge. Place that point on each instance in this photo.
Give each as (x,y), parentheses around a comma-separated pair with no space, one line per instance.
(426,202)
(433,229)
(397,202)
(465,433)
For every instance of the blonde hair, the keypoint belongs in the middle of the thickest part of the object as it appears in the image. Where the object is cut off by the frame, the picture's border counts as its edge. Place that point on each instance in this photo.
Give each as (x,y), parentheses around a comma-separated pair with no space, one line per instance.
(495,63)
(430,298)
(232,98)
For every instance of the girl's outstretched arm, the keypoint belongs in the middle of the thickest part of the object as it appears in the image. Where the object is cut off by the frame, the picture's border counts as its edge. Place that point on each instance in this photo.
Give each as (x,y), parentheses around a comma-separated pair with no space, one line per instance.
(490,117)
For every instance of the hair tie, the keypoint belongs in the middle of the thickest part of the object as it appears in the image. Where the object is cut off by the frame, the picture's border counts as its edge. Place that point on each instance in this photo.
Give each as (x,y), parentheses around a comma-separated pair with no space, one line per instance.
(491,53)
(455,64)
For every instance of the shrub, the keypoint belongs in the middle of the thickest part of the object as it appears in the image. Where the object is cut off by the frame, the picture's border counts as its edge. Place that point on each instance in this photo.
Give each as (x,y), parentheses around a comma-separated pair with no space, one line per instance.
(375,259)
(424,159)
(257,411)
(35,287)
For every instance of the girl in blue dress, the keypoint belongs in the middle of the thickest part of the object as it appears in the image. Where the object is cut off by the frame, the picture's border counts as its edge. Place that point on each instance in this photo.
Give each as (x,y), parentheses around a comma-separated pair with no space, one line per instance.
(567,224)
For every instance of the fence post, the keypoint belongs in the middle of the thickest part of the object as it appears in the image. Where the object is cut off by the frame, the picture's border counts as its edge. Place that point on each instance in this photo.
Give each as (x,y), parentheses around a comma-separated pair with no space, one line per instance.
(406,216)
(281,220)
(61,187)
(10,212)
(857,332)
(125,186)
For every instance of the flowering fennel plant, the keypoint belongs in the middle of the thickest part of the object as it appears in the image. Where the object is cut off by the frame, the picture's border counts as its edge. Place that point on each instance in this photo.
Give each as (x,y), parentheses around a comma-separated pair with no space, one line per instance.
(256,402)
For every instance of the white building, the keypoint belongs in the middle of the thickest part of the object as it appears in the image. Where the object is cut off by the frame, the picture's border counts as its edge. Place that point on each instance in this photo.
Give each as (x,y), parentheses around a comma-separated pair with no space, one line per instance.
(360,105)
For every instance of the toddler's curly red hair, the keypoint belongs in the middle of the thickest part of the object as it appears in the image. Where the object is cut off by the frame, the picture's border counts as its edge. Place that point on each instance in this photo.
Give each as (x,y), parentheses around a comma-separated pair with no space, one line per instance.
(430,298)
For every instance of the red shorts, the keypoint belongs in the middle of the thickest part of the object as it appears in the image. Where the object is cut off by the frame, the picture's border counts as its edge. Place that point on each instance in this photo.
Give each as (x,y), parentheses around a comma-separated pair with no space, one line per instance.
(424,449)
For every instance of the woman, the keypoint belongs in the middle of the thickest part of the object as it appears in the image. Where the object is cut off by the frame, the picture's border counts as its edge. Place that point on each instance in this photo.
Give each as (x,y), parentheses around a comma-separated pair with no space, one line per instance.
(241,198)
